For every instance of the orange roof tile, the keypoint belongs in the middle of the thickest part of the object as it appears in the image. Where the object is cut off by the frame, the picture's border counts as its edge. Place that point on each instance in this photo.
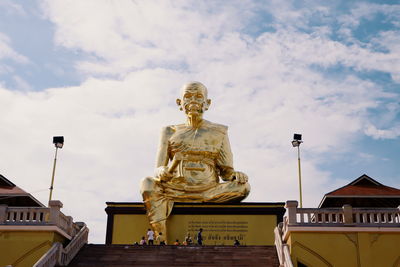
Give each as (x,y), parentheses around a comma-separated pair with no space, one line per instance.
(6,190)
(364,190)
(365,186)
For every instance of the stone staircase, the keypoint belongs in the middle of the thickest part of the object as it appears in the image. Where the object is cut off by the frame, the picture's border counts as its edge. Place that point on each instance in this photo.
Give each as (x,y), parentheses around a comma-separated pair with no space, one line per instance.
(129,255)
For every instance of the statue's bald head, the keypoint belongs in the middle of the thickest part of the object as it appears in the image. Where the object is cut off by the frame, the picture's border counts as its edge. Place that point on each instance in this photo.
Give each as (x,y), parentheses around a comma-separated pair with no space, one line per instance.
(195,86)
(194,98)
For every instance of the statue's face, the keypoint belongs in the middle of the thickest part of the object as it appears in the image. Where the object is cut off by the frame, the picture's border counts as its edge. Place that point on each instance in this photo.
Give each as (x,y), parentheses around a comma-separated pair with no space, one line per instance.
(194,99)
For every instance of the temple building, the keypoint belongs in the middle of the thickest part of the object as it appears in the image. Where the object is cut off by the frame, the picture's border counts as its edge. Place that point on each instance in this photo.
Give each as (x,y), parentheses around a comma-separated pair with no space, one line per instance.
(12,195)
(355,225)
(363,192)
(31,232)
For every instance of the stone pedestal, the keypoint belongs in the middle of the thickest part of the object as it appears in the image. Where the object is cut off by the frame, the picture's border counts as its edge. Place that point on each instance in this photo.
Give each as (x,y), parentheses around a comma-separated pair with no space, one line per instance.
(250,223)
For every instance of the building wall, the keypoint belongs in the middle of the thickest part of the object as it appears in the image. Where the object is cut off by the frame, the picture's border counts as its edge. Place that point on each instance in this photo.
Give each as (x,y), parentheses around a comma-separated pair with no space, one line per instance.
(24,248)
(347,249)
(222,223)
(217,229)
(129,228)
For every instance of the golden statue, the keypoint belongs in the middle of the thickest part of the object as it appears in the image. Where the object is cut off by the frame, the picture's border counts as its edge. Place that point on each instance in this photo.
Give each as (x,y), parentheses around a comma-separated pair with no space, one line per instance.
(191,159)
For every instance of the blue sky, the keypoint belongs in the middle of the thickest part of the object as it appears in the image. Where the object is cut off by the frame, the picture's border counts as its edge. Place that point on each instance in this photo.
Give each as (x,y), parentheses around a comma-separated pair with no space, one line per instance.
(105,74)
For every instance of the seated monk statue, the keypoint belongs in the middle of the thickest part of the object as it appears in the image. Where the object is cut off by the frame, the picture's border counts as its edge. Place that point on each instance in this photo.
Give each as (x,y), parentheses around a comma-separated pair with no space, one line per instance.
(192,159)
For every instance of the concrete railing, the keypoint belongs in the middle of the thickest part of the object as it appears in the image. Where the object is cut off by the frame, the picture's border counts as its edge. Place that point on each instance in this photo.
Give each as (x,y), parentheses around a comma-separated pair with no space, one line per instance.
(69,252)
(282,248)
(347,216)
(50,258)
(38,216)
(17,215)
(57,255)
(388,217)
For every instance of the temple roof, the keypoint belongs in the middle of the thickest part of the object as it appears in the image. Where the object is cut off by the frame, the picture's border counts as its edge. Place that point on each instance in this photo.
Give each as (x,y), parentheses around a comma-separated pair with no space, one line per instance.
(12,195)
(363,192)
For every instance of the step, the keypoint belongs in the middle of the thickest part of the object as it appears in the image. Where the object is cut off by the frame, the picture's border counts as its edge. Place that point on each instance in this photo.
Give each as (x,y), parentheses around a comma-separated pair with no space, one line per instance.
(129,255)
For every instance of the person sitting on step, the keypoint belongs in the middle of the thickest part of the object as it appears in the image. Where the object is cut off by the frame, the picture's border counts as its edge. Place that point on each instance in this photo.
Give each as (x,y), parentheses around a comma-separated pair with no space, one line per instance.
(143,241)
(160,239)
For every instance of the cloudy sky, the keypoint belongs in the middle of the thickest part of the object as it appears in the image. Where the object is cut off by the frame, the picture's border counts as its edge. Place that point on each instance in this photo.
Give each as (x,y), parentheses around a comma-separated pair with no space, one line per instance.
(105,74)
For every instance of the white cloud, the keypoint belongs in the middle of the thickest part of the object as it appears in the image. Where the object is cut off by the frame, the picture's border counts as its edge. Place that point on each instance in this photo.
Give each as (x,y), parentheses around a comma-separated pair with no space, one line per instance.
(12,8)
(132,35)
(21,84)
(389,133)
(368,11)
(7,52)
(129,35)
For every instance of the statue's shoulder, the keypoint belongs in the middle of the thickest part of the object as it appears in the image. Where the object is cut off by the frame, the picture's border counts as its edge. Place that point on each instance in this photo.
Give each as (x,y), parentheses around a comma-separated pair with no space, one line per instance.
(216,127)
(168,130)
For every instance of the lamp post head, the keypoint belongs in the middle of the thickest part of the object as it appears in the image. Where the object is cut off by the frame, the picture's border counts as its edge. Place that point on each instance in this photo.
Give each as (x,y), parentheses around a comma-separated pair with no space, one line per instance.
(58,141)
(296,140)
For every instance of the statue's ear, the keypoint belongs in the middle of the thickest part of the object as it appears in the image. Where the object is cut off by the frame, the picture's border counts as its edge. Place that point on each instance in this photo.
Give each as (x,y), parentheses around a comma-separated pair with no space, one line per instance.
(208,103)
(178,102)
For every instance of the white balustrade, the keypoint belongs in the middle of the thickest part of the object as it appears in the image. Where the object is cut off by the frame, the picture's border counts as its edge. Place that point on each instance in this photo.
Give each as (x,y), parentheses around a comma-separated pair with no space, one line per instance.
(52,215)
(330,217)
(57,255)
(21,215)
(69,252)
(341,216)
(50,258)
(64,223)
(286,253)
(39,216)
(282,248)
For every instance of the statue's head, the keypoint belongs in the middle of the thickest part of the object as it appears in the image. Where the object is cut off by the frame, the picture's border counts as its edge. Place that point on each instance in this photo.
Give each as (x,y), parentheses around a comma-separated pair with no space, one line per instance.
(194,99)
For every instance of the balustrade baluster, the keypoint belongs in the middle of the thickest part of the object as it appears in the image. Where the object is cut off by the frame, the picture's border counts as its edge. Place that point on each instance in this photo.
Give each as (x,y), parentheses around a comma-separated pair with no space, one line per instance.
(24,215)
(11,216)
(364,217)
(357,217)
(385,217)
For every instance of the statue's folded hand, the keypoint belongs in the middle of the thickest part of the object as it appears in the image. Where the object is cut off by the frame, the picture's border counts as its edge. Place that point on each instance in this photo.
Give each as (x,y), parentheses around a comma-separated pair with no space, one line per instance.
(239,176)
(163,174)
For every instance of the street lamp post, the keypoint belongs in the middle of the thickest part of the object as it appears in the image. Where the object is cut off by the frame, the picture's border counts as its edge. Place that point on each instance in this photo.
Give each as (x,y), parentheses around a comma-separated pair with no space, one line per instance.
(58,142)
(296,143)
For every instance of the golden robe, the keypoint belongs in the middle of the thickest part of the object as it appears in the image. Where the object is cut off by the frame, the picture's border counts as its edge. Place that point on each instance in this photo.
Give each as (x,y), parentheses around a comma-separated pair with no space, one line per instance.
(205,156)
